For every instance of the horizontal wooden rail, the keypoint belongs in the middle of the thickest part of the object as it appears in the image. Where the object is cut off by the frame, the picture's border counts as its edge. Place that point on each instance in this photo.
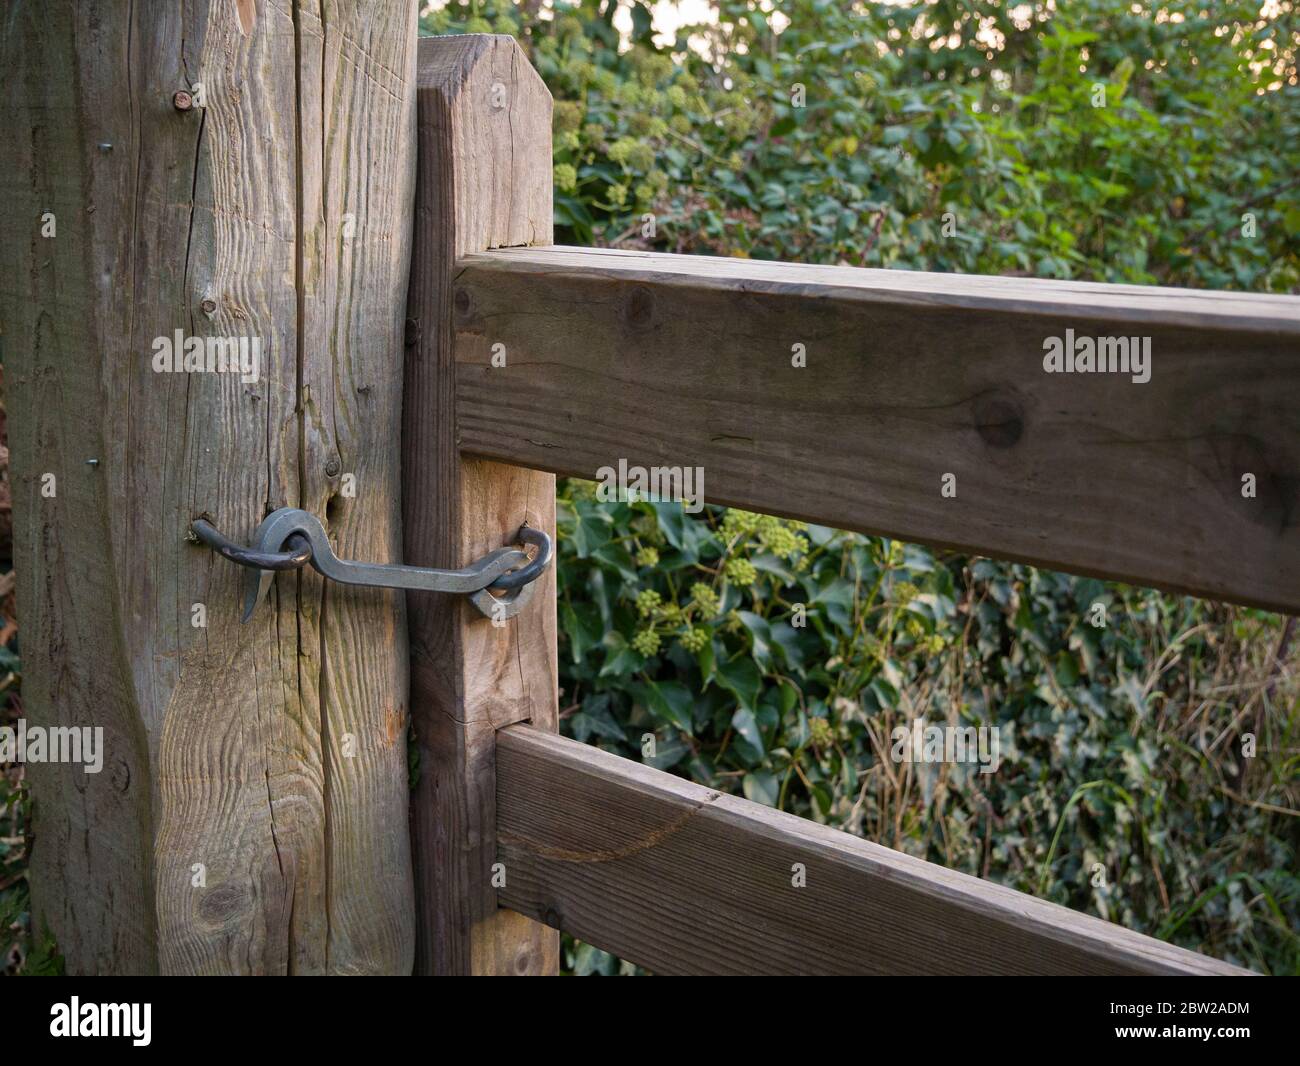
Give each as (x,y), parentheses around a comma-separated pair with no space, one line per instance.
(688,361)
(682,879)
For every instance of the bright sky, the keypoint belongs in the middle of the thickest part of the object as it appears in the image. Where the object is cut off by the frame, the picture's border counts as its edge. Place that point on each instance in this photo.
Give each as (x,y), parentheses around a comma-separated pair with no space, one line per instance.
(668,15)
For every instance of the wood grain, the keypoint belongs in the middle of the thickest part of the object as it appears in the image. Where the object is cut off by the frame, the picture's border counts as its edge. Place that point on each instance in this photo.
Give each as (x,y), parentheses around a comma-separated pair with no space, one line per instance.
(357,117)
(684,880)
(223,742)
(484,180)
(671,360)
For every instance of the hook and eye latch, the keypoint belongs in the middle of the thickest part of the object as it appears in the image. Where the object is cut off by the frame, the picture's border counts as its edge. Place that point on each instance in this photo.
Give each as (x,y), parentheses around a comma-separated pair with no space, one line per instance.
(291,538)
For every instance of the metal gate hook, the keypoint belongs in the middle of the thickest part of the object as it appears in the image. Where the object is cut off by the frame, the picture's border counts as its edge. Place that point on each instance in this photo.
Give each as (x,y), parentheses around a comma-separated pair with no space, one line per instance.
(290,538)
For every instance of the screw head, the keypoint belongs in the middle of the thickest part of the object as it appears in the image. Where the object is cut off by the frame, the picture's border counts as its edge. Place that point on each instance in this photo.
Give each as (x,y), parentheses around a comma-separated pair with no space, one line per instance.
(332,468)
(182,100)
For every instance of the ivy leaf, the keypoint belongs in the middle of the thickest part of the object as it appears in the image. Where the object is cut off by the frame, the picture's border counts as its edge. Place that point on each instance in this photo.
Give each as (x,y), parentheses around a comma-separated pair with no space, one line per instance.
(684,533)
(783,127)
(742,679)
(1131,689)
(705,660)
(595,719)
(746,727)
(616,558)
(761,637)
(786,639)
(669,701)
(669,751)
(761,787)
(620,658)
(590,529)
(580,622)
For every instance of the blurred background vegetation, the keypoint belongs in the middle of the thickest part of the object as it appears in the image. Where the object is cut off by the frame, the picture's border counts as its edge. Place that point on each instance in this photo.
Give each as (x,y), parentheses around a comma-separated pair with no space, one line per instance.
(958,135)
(1122,745)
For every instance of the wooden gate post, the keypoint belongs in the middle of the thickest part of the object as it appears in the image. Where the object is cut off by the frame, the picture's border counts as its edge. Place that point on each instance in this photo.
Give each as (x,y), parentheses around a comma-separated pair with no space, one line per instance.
(233,169)
(484,181)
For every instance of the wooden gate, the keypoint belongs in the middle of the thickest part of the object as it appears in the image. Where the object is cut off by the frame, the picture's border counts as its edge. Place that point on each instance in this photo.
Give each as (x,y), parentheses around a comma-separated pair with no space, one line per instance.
(247,171)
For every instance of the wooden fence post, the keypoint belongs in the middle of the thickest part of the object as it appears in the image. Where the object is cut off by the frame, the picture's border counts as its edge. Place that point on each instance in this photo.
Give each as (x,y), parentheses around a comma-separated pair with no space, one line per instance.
(232,169)
(484,181)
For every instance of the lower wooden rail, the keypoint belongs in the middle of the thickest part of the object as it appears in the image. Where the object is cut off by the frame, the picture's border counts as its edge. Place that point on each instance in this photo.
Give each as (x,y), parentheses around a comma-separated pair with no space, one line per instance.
(682,879)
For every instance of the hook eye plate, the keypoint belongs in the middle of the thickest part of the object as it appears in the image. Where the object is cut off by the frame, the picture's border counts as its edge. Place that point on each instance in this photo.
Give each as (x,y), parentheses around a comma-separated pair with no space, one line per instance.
(499,608)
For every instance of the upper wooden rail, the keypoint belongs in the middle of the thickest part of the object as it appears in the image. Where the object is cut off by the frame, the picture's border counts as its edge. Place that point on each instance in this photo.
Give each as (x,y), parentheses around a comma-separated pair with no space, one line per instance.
(667,360)
(682,879)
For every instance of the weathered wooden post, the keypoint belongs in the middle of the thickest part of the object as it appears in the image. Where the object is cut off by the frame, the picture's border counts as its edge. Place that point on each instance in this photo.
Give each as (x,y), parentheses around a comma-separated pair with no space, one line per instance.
(238,169)
(484,182)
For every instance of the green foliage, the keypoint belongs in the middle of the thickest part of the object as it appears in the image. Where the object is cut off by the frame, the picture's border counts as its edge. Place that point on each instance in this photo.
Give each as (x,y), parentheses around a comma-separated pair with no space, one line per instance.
(979,152)
(20,951)
(773,659)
